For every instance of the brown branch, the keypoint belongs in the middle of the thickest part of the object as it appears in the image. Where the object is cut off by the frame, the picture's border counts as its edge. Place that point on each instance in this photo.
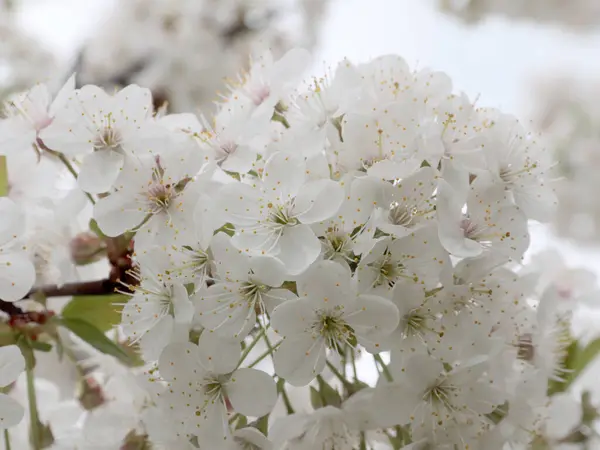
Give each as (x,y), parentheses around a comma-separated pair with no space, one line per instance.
(97,287)
(10,308)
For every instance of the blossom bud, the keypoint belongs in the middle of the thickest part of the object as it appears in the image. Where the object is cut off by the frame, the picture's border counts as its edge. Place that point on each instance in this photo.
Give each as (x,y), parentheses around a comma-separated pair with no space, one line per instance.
(90,395)
(87,248)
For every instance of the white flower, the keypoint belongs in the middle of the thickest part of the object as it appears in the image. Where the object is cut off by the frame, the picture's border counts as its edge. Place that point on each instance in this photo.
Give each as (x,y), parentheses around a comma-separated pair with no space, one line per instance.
(28,114)
(200,383)
(12,364)
(328,315)
(416,258)
(104,128)
(160,310)
(433,400)
(491,227)
(273,213)
(17,273)
(326,428)
(156,193)
(407,205)
(243,286)
(268,82)
(519,162)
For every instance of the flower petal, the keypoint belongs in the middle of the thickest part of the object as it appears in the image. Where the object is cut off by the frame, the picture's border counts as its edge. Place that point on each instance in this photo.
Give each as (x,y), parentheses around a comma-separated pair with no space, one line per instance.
(17,275)
(252,392)
(12,364)
(299,359)
(11,411)
(299,248)
(318,200)
(99,171)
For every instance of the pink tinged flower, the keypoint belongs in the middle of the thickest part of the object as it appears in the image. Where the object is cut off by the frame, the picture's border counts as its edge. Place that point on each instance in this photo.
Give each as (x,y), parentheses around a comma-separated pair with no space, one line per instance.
(28,114)
(328,315)
(272,215)
(17,272)
(154,192)
(12,364)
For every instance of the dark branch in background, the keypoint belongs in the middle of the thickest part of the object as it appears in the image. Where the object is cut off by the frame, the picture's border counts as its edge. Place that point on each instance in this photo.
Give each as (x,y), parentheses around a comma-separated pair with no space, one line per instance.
(97,287)
(10,308)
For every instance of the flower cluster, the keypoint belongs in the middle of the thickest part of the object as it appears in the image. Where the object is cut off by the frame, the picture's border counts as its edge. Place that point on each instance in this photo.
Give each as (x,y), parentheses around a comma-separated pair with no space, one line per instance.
(371,215)
(158,44)
(575,15)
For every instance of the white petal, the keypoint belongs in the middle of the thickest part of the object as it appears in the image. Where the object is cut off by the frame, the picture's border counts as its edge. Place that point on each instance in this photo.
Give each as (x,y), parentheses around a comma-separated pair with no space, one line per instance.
(99,171)
(252,392)
(217,354)
(268,270)
(253,436)
(62,96)
(299,359)
(293,317)
(135,103)
(374,313)
(180,360)
(318,200)
(118,213)
(328,281)
(12,223)
(452,236)
(284,174)
(16,136)
(182,306)
(11,411)
(12,364)
(564,415)
(17,275)
(156,338)
(299,248)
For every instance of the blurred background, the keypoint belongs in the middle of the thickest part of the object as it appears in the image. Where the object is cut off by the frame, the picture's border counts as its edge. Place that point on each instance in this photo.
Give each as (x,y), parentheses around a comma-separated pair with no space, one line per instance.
(537,59)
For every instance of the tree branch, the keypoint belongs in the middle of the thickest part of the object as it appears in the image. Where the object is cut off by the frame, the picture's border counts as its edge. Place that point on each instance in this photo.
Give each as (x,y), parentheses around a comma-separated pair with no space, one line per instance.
(97,287)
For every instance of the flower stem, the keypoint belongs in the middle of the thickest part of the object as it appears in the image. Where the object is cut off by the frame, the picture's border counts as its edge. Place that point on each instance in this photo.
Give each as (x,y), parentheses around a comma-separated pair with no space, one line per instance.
(33,411)
(340,377)
(284,396)
(384,368)
(249,347)
(6,439)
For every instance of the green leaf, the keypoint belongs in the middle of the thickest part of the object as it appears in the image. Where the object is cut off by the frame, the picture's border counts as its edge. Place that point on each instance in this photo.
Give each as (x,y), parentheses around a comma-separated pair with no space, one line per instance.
(101,311)
(315,398)
(96,338)
(262,424)
(41,346)
(3,177)
(94,228)
(241,422)
(330,396)
(577,360)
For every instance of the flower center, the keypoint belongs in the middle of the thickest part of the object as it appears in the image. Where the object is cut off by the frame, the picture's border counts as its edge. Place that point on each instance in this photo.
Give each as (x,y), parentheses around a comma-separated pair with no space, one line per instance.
(400,215)
(281,215)
(259,94)
(159,197)
(388,271)
(252,292)
(108,138)
(225,150)
(332,327)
